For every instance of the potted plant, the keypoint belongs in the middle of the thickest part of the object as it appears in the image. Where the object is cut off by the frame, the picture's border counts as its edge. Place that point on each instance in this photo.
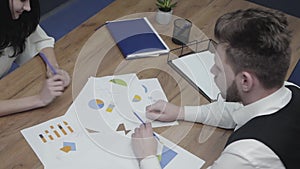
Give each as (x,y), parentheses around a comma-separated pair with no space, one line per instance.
(165,10)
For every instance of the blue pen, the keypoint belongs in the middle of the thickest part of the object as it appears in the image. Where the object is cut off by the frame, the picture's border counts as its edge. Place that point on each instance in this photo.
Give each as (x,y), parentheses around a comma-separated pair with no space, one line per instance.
(145,124)
(48,63)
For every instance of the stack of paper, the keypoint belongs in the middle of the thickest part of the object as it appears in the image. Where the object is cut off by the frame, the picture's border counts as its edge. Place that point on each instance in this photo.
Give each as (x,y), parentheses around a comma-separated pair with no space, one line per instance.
(96,130)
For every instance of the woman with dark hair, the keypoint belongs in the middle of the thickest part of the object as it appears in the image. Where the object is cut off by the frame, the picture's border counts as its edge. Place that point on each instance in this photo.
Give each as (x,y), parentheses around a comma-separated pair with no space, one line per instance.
(21,37)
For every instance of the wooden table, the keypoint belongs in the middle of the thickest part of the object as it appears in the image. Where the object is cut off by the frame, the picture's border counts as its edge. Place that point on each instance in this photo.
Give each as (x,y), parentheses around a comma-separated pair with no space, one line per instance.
(85,51)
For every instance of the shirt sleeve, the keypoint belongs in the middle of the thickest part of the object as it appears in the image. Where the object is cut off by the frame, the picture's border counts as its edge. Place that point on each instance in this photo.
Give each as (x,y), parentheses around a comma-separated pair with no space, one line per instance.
(37,41)
(40,39)
(150,162)
(215,114)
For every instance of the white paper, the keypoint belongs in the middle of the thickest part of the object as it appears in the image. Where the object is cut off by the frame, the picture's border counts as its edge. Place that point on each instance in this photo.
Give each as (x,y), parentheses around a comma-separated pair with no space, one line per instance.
(197,68)
(86,136)
(125,100)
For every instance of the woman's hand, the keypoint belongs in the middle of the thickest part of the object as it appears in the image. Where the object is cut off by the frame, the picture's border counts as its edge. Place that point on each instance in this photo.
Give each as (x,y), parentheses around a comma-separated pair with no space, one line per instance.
(66,78)
(52,87)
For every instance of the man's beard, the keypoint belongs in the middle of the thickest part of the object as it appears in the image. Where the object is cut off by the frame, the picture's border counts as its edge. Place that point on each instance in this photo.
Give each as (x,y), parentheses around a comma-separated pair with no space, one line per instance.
(232,94)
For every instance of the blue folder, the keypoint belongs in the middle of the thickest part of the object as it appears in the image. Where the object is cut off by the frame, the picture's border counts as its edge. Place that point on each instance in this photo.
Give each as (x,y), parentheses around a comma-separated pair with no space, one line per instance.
(136,38)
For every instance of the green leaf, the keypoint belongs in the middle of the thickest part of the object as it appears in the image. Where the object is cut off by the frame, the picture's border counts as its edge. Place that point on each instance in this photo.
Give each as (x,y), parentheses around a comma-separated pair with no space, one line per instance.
(173,5)
(165,5)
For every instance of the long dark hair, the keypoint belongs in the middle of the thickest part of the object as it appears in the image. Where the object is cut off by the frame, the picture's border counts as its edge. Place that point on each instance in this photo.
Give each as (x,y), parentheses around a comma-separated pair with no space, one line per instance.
(13,33)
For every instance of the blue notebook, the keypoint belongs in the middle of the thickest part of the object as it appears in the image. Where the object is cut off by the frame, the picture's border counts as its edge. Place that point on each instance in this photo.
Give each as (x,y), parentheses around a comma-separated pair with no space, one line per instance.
(136,38)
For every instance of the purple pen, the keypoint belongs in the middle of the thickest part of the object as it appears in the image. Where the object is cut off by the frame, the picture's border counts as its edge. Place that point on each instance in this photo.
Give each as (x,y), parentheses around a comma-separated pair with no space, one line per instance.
(145,124)
(48,63)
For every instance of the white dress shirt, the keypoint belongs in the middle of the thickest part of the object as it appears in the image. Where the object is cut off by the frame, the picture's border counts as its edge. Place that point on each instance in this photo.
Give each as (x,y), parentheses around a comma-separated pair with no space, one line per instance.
(34,44)
(242,154)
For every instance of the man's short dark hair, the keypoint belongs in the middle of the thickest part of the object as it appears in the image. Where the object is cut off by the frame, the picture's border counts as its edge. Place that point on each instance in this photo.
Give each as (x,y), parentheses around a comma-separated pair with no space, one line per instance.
(257,41)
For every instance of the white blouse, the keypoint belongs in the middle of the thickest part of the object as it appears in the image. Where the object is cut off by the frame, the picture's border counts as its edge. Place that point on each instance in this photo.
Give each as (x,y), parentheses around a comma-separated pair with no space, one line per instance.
(37,41)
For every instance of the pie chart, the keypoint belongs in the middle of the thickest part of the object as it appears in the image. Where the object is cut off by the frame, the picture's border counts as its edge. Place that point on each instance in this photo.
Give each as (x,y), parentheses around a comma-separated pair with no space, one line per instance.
(136,98)
(96,104)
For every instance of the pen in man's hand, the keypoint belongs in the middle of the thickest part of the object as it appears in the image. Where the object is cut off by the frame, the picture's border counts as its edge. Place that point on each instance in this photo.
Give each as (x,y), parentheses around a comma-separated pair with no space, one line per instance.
(141,120)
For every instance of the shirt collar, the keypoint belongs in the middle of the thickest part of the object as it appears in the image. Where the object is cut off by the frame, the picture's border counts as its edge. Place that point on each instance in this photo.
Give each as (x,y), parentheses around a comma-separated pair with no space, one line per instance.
(265,106)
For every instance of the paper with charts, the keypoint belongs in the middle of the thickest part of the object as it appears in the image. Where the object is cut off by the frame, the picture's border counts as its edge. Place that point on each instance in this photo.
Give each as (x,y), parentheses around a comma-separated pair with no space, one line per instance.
(107,103)
(96,130)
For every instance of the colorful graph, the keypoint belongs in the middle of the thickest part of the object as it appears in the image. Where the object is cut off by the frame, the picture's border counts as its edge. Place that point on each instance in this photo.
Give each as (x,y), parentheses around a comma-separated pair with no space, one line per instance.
(96,104)
(110,107)
(68,146)
(136,98)
(118,82)
(145,88)
(121,127)
(55,132)
(166,157)
(43,138)
(91,131)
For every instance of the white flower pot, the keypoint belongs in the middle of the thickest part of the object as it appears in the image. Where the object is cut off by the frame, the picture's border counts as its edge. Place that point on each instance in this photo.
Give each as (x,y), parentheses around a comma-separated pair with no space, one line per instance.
(163,18)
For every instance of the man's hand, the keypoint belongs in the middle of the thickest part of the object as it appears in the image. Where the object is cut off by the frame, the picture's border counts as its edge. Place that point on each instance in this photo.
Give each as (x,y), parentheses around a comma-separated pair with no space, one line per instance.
(143,142)
(164,111)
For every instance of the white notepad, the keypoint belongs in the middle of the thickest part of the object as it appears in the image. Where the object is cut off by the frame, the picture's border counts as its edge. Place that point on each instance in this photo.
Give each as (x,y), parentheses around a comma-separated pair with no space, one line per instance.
(196,68)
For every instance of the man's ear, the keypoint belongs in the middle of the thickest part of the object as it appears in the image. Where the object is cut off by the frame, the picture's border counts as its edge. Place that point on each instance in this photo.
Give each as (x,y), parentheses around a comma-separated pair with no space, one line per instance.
(246,81)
